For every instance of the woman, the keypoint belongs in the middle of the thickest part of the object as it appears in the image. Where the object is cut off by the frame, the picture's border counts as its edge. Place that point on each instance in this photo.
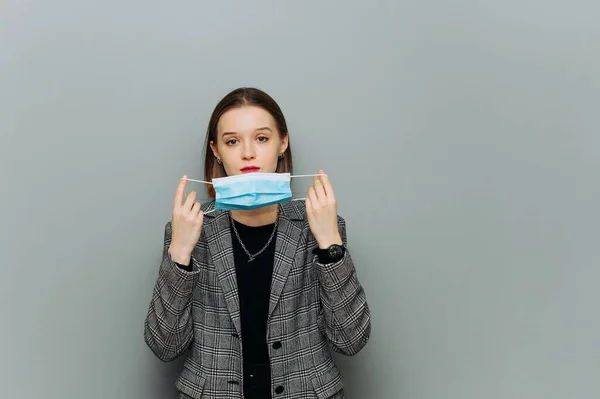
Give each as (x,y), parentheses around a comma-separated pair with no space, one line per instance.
(258,294)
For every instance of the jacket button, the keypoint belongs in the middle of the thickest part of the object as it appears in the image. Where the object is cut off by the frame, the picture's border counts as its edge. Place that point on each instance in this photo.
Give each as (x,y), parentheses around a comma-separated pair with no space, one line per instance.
(277,345)
(279,390)
(235,335)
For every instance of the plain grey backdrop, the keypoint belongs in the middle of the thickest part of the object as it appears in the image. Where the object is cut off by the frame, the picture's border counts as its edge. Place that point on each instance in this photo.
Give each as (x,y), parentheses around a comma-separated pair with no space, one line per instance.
(462,139)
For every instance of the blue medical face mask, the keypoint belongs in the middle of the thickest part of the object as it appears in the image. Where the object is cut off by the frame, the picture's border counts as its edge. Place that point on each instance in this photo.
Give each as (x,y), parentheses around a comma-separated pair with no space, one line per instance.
(251,190)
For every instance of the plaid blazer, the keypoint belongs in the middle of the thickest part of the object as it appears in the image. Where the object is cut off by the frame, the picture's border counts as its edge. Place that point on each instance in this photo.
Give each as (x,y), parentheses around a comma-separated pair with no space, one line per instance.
(314,308)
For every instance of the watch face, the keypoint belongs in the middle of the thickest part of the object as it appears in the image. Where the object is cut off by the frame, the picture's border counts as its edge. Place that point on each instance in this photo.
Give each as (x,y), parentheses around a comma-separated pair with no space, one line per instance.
(335,251)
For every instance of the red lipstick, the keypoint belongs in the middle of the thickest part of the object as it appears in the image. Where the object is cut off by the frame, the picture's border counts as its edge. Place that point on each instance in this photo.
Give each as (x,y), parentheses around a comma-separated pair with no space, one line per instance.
(250,169)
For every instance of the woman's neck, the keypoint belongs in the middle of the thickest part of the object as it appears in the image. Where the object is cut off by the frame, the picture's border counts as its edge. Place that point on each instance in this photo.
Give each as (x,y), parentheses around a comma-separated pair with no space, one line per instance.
(256,217)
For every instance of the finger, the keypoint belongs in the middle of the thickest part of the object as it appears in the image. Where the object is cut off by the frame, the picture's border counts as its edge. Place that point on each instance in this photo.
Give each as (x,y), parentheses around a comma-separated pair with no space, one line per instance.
(308,203)
(196,208)
(315,204)
(320,191)
(179,191)
(327,186)
(189,201)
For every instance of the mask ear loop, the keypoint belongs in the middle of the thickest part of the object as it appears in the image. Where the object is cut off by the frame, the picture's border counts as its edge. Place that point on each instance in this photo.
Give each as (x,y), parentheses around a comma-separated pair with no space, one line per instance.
(318,174)
(197,181)
(200,181)
(302,199)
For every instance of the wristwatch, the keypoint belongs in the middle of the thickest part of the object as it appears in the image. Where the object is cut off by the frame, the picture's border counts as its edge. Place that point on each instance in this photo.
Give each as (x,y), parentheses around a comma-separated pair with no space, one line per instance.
(332,254)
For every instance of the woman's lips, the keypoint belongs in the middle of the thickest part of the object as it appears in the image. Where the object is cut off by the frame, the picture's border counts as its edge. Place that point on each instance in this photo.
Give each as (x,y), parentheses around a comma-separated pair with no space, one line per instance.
(250,169)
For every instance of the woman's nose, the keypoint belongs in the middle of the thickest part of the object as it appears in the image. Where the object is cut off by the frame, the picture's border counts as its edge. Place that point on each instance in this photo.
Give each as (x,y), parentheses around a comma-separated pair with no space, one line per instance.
(248,151)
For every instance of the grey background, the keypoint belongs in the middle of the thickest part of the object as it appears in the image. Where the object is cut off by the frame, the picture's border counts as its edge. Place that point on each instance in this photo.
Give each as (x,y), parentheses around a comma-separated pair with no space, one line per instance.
(462,139)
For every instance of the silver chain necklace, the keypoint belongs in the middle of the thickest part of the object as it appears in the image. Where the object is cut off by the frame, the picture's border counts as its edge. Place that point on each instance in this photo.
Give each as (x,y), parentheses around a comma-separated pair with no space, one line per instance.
(251,257)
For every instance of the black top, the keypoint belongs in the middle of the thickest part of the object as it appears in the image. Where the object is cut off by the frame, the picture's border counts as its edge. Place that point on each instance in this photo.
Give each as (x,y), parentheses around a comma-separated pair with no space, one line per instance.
(254,287)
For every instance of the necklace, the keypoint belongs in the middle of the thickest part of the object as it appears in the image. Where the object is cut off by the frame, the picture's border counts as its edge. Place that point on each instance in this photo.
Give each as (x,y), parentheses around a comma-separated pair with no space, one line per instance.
(251,257)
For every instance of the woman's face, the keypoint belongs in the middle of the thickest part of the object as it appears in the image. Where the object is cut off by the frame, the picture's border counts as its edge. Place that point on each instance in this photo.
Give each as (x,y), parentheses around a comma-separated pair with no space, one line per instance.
(248,141)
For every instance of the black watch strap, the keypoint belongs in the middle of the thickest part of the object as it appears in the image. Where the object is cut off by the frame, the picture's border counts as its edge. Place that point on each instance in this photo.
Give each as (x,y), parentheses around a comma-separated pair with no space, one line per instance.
(332,254)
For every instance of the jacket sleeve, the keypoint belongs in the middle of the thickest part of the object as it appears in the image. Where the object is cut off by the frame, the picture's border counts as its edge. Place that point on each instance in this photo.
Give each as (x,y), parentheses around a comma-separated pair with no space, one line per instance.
(168,328)
(343,302)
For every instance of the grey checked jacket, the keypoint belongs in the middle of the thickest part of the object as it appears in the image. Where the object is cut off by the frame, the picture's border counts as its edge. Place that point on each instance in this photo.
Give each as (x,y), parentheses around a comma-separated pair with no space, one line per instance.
(313,308)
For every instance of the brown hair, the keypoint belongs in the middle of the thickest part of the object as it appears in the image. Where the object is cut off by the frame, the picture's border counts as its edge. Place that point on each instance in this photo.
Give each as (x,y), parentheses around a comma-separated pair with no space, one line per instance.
(240,97)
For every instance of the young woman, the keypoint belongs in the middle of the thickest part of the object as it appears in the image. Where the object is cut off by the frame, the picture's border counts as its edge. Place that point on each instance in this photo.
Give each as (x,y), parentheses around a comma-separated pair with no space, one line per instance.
(256,295)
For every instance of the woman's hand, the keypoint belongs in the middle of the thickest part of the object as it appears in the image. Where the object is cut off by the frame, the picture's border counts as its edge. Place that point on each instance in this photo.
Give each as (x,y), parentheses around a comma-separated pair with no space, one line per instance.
(321,211)
(187,219)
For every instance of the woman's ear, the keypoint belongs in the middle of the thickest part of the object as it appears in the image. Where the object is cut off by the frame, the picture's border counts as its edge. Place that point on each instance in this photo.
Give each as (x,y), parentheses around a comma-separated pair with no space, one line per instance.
(213,147)
(284,143)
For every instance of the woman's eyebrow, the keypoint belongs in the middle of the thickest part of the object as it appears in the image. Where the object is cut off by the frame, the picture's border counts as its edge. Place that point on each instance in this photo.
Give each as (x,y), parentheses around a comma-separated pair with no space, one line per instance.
(256,130)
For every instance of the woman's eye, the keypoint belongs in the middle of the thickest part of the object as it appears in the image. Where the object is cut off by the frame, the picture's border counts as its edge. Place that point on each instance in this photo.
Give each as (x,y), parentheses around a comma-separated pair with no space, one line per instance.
(231,142)
(263,139)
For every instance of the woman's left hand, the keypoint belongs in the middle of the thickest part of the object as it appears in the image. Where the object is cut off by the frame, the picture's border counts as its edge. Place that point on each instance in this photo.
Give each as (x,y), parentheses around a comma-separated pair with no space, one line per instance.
(321,211)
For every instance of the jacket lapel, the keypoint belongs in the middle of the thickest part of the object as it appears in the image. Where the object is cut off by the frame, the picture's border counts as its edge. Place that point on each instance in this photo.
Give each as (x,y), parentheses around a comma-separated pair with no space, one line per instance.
(218,236)
(289,233)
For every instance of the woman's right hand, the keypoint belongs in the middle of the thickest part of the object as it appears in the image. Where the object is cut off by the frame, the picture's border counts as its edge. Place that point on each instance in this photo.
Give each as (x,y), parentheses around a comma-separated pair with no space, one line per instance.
(187,219)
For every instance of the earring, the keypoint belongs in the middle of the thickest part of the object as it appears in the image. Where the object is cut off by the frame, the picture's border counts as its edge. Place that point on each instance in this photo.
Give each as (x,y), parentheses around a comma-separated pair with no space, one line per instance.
(281,156)
(219,161)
